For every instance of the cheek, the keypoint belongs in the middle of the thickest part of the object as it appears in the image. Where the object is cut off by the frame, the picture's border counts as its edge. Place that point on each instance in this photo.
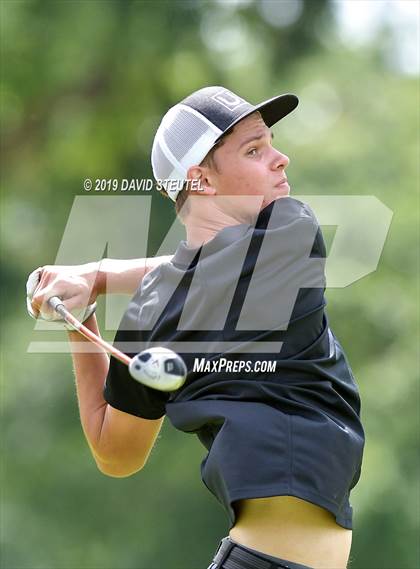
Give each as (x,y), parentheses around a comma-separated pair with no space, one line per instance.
(253,178)
(243,177)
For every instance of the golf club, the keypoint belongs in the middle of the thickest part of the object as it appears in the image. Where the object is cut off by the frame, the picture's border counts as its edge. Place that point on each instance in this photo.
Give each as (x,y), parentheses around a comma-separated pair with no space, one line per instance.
(158,368)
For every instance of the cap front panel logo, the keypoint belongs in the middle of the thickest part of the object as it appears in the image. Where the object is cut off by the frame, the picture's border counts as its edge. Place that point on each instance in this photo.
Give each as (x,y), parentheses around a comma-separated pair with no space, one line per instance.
(228,100)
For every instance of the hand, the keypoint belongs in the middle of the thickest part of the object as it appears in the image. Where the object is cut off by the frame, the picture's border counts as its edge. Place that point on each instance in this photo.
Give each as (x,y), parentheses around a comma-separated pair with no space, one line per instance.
(76,285)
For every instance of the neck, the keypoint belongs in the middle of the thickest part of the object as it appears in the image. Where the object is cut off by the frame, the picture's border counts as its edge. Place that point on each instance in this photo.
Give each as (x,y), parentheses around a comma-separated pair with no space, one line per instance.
(201,230)
(207,217)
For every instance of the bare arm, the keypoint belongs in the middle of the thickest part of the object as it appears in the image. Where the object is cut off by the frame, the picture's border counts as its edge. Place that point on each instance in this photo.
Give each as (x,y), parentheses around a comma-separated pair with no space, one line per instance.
(124,276)
(120,443)
(80,285)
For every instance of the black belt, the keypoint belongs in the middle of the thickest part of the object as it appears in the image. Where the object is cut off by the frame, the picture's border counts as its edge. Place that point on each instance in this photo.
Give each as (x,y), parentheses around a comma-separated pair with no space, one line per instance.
(231,555)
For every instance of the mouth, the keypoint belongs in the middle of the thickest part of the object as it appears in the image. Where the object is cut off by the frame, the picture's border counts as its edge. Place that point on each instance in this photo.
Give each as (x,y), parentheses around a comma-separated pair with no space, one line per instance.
(281,183)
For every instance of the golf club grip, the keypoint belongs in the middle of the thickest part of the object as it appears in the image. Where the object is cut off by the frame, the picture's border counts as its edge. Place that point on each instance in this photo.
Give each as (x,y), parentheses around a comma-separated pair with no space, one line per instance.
(57,304)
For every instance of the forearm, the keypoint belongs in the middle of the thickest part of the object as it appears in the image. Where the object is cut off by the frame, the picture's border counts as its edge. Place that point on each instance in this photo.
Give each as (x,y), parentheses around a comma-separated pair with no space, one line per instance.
(124,275)
(80,285)
(90,371)
(120,443)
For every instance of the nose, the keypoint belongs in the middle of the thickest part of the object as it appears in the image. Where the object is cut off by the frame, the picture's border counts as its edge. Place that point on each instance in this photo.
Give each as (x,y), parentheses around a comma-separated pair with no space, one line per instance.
(280,160)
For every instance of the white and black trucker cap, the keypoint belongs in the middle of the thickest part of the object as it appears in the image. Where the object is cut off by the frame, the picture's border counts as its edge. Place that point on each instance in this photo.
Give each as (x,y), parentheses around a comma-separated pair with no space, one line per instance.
(190,129)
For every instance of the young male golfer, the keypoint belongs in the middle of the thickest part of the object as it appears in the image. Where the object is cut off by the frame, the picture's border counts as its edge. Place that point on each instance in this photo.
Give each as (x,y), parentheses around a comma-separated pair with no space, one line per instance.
(243,292)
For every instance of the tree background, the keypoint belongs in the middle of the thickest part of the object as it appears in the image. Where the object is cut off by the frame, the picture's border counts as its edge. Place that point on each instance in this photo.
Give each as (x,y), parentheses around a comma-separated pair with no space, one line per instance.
(83,85)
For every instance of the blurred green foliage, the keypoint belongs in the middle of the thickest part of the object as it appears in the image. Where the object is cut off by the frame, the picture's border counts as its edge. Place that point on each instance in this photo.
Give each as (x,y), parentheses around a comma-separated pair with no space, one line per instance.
(83,87)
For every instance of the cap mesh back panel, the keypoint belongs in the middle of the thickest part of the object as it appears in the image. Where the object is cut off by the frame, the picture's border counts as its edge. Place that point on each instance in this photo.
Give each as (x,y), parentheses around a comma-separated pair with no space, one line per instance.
(185,130)
(163,167)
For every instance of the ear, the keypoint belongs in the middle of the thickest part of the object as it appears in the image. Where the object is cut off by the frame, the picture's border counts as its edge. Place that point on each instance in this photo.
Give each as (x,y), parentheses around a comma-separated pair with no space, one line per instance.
(200,180)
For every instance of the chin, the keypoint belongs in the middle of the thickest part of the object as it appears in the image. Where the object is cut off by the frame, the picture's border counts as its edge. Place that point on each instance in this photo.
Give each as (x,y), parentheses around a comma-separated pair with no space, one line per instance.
(283,193)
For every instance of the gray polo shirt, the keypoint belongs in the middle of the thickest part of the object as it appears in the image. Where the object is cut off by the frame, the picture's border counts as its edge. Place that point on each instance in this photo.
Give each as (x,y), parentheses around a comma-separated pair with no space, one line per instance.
(250,298)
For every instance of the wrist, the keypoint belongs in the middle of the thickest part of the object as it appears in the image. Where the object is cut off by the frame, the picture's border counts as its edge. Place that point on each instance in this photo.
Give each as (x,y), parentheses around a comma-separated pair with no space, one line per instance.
(99,283)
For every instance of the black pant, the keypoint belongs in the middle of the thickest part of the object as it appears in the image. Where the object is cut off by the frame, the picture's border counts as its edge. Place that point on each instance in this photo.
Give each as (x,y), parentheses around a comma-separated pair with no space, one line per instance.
(232,555)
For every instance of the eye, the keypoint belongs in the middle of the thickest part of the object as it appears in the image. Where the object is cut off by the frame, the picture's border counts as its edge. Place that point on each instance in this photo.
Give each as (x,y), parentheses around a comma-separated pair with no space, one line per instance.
(252,152)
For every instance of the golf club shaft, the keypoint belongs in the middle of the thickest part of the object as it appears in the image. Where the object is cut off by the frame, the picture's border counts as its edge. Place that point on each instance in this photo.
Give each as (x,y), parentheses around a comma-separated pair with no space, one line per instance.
(57,304)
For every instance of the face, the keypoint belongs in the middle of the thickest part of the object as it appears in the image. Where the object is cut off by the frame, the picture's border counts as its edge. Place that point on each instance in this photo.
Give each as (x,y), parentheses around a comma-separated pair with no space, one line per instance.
(248,165)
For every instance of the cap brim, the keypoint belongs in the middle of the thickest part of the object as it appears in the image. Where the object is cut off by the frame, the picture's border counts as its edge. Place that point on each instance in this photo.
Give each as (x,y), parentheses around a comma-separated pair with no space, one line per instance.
(271,110)
(276,108)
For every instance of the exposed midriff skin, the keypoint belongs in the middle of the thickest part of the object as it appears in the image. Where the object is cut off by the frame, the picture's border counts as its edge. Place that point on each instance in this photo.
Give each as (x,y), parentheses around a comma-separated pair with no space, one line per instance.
(292,529)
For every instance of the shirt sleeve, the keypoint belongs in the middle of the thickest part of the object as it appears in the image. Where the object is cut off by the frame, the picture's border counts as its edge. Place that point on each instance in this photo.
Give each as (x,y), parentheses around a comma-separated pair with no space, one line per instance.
(123,392)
